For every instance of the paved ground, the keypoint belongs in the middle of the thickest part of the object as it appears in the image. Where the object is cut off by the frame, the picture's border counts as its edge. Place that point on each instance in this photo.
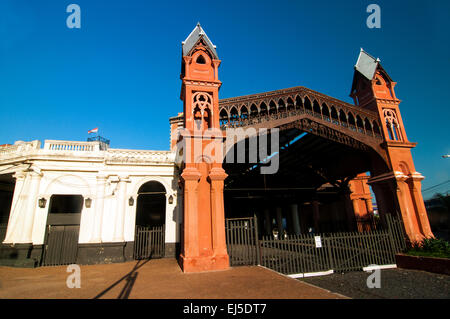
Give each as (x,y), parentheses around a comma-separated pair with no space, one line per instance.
(395,284)
(160,278)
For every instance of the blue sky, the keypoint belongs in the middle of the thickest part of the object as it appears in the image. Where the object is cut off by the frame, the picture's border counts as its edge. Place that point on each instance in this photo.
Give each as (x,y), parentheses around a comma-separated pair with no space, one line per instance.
(120,71)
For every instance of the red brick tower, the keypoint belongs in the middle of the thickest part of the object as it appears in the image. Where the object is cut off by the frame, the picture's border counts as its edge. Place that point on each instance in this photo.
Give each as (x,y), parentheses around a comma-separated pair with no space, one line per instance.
(373,89)
(203,242)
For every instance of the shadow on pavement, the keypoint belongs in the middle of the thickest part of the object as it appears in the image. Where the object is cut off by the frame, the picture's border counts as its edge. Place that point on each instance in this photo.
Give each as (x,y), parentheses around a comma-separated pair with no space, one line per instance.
(130,279)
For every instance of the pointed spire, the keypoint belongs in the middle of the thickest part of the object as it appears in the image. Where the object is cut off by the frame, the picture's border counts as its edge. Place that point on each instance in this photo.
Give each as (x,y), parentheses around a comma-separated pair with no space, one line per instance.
(193,38)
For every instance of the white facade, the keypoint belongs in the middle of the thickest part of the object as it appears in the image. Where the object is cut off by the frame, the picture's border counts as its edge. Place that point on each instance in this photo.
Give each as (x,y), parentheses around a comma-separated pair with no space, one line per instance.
(107,176)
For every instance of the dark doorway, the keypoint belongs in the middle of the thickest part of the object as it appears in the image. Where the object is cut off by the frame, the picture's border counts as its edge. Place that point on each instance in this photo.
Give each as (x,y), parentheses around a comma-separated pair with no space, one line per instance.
(7,185)
(150,221)
(151,205)
(63,227)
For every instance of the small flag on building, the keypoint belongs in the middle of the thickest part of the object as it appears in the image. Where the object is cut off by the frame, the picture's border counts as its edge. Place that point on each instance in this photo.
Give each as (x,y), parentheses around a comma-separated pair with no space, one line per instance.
(95,130)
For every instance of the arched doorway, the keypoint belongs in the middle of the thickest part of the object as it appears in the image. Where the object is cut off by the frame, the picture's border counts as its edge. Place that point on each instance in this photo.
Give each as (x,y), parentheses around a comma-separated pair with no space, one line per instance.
(150,221)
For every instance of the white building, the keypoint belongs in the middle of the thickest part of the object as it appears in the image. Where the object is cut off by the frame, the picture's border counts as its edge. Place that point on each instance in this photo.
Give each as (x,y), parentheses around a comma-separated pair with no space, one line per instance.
(83,202)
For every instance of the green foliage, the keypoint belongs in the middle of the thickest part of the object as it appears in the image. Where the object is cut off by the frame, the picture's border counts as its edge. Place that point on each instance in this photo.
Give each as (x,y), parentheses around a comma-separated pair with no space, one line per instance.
(431,247)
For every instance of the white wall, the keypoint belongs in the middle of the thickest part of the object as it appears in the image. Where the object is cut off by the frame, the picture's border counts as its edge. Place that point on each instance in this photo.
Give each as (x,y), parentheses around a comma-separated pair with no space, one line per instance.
(80,178)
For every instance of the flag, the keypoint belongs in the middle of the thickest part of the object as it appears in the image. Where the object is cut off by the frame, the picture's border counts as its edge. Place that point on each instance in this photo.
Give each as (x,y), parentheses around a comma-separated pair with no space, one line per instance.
(95,130)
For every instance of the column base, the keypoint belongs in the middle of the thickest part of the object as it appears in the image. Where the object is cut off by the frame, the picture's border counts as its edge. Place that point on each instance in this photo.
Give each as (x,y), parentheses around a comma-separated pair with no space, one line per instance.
(104,253)
(204,263)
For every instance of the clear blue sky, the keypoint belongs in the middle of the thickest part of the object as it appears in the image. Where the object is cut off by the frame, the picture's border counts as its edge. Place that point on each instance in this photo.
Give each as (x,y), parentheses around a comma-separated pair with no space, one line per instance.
(120,71)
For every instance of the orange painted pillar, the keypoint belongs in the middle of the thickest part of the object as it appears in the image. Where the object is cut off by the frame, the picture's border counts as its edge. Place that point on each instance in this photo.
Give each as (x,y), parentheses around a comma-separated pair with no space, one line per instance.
(190,247)
(420,206)
(409,220)
(412,208)
(217,177)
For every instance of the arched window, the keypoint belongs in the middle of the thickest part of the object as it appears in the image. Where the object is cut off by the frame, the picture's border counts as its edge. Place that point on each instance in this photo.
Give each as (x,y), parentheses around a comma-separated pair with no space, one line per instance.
(290,104)
(281,106)
(376,129)
(253,110)
(201,104)
(316,109)
(359,124)
(308,107)
(200,59)
(334,115)
(263,109)
(392,125)
(223,117)
(298,102)
(234,115)
(244,112)
(343,118)
(272,107)
(326,112)
(351,121)
(367,126)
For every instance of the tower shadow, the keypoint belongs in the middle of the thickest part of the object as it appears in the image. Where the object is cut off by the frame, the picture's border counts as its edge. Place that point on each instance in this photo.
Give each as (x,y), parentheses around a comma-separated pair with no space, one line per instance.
(130,279)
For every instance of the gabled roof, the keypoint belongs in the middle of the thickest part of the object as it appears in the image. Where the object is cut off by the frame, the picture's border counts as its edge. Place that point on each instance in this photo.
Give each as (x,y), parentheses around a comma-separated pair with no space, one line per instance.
(367,65)
(194,37)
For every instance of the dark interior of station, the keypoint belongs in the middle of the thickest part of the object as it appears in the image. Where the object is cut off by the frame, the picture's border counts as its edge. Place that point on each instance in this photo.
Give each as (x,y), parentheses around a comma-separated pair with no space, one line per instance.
(311,169)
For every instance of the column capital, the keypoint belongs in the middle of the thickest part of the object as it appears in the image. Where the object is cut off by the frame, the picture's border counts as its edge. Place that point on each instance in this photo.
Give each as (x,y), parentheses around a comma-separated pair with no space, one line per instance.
(217,174)
(101,177)
(191,174)
(35,175)
(417,177)
(19,175)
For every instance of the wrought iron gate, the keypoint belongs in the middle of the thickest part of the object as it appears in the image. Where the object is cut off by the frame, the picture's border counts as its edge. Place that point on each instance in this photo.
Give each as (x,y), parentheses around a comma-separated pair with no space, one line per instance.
(242,241)
(149,242)
(61,245)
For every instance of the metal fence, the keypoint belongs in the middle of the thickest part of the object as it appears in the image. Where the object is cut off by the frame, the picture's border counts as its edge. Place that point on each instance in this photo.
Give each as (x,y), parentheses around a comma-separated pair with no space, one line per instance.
(149,242)
(300,254)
